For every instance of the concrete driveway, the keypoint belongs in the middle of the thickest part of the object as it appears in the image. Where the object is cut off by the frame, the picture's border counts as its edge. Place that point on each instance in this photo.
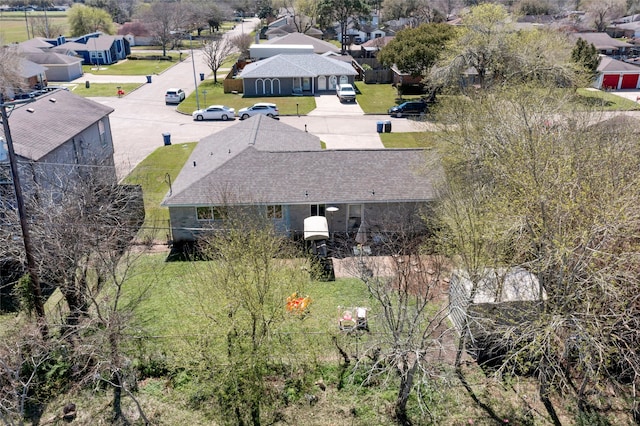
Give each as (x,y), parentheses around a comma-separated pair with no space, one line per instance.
(141,117)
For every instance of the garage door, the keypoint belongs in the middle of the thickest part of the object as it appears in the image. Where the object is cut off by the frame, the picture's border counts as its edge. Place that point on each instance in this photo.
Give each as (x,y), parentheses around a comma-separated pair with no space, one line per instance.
(629,81)
(610,81)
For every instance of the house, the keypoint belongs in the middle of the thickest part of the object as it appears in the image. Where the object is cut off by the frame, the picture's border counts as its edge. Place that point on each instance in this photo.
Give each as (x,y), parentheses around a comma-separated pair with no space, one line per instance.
(617,75)
(501,297)
(98,48)
(34,75)
(282,75)
(284,173)
(58,67)
(57,132)
(604,44)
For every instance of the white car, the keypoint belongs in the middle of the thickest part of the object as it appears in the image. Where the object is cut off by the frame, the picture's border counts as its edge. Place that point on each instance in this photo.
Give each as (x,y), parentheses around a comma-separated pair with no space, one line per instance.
(346,93)
(214,112)
(268,109)
(174,96)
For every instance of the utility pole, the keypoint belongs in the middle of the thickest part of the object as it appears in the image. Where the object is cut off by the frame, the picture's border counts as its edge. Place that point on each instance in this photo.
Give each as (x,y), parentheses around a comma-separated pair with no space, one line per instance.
(34,280)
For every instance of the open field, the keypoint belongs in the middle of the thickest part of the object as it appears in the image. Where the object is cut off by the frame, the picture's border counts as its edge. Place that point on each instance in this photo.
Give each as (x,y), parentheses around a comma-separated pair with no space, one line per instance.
(15,28)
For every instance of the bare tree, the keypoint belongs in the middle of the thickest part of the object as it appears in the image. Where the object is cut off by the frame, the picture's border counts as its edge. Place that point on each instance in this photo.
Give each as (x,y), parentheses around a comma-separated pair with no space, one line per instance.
(242,42)
(215,52)
(10,71)
(602,12)
(411,338)
(164,23)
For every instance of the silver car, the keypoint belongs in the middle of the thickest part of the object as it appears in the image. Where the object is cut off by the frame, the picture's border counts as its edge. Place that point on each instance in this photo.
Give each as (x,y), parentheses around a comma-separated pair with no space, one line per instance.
(214,112)
(266,108)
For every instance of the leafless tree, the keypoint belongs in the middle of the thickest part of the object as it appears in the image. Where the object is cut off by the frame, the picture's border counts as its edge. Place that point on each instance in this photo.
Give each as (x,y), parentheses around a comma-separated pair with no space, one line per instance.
(164,21)
(410,336)
(242,42)
(215,52)
(10,71)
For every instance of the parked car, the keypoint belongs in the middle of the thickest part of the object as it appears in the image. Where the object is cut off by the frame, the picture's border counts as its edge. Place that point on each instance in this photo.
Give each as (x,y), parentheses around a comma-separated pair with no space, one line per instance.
(268,109)
(346,92)
(214,112)
(174,96)
(409,108)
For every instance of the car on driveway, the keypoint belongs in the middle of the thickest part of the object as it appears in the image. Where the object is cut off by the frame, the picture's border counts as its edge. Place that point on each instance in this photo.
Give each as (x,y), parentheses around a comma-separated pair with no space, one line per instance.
(346,92)
(266,108)
(214,112)
(174,96)
(408,108)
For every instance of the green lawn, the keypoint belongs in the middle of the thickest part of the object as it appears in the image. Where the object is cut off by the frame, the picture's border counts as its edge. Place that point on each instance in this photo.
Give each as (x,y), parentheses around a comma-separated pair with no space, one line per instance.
(134,67)
(408,140)
(154,174)
(101,89)
(378,98)
(13,27)
(606,101)
(287,105)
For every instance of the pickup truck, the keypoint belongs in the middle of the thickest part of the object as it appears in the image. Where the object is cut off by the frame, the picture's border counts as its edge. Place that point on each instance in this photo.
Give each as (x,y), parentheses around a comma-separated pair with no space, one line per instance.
(346,93)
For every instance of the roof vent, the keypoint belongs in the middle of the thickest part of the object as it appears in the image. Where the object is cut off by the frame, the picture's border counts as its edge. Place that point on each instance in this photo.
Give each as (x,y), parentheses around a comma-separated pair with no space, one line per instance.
(52,100)
(194,164)
(31,110)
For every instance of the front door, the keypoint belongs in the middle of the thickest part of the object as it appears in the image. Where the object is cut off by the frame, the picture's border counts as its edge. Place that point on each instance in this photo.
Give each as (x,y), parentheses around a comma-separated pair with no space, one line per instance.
(306,83)
(322,83)
(333,82)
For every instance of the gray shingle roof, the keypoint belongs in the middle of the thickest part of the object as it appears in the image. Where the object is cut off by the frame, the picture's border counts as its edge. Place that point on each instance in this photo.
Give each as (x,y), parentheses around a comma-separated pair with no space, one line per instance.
(600,40)
(51,124)
(289,173)
(306,65)
(608,64)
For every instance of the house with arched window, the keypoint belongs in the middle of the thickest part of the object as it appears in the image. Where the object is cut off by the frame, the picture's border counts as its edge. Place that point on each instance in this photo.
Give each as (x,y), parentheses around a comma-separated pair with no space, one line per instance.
(283,75)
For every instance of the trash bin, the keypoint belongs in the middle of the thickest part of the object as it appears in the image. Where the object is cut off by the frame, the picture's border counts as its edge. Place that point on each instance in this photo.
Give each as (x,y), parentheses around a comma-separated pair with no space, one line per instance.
(148,79)
(387,126)
(87,84)
(201,76)
(379,125)
(167,138)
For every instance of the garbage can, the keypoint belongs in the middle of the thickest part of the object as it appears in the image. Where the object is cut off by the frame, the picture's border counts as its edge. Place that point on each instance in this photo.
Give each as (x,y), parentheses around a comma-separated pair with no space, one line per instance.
(87,84)
(167,138)
(148,79)
(201,76)
(379,125)
(387,126)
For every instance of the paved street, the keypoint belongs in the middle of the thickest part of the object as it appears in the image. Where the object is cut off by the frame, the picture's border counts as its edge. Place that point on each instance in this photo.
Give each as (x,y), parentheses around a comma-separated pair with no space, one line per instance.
(141,117)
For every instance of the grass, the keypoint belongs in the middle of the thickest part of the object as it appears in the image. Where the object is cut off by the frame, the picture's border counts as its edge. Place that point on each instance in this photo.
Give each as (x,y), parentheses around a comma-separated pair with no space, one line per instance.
(152,174)
(378,98)
(101,89)
(133,67)
(607,101)
(13,28)
(408,140)
(287,105)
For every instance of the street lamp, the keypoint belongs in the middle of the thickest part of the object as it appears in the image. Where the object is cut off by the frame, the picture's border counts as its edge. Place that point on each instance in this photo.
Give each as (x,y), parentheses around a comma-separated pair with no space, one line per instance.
(193,64)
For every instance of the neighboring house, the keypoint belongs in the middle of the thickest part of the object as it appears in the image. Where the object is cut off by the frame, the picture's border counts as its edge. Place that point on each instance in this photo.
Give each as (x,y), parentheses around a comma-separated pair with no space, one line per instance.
(263,51)
(34,75)
(58,67)
(58,131)
(98,49)
(605,44)
(370,48)
(261,162)
(319,46)
(282,75)
(617,75)
(60,64)
(502,297)
(136,33)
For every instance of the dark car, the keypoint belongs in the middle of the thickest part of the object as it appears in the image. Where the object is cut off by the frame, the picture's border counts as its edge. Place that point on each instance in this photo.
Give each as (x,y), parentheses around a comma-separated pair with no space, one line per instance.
(409,108)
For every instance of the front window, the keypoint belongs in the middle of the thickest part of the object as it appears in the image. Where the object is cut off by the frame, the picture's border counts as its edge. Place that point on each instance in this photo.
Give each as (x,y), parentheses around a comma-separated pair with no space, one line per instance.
(317,210)
(274,212)
(210,213)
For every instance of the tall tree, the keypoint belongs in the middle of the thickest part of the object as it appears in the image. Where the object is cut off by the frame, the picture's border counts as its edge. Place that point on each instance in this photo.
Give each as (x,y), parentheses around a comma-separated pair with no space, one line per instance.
(586,55)
(558,204)
(215,52)
(10,71)
(602,12)
(243,293)
(345,12)
(84,19)
(416,50)
(164,23)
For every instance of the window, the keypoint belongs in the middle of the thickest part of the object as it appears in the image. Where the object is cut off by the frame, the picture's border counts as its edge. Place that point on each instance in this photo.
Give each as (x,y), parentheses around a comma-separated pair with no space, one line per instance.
(210,213)
(274,212)
(103,139)
(317,210)
(355,216)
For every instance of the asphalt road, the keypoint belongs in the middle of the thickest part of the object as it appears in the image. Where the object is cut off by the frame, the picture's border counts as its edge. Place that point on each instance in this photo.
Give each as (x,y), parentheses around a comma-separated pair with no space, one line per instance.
(141,117)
